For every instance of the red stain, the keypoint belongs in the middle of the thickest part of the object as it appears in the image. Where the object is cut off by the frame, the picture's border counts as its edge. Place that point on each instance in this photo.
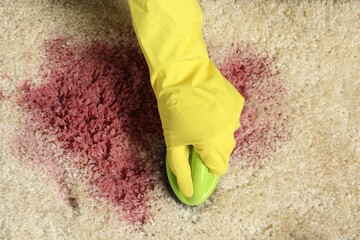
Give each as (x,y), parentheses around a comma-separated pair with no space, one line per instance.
(98,102)
(39,150)
(25,86)
(263,117)
(2,96)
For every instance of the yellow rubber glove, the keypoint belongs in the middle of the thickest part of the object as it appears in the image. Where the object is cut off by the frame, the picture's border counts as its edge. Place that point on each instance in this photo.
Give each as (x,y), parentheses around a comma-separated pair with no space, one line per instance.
(197,105)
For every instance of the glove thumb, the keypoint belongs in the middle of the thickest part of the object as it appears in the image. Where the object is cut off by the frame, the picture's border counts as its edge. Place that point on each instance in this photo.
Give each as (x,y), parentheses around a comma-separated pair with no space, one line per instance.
(178,160)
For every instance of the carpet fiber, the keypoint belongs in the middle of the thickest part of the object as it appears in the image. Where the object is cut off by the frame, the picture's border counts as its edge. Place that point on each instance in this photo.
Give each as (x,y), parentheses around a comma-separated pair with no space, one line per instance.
(82,152)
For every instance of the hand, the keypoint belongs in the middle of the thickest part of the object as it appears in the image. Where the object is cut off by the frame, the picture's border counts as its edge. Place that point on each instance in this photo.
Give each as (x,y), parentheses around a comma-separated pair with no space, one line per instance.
(197,105)
(203,114)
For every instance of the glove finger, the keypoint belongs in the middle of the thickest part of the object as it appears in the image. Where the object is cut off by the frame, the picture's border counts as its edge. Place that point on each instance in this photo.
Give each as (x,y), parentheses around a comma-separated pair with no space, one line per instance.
(178,159)
(216,154)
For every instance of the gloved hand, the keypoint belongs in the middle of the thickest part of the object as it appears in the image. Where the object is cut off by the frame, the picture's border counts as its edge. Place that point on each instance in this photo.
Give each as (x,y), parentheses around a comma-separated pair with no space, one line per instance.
(197,105)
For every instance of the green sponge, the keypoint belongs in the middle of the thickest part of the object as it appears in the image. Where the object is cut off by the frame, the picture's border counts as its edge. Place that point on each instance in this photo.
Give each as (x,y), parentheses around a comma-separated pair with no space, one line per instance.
(204,182)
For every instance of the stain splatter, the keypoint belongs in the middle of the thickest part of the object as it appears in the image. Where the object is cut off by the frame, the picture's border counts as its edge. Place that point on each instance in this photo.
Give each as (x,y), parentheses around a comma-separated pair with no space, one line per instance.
(263,117)
(2,96)
(98,102)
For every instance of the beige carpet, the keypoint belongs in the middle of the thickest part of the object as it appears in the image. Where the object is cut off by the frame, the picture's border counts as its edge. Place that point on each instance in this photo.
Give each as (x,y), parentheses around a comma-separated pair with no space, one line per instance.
(81,150)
